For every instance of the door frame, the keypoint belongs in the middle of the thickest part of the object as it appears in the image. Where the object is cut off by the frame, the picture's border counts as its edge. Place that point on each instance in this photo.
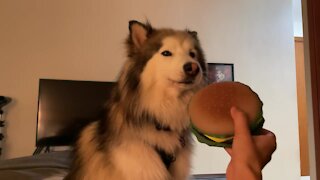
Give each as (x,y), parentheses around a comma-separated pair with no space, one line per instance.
(311,19)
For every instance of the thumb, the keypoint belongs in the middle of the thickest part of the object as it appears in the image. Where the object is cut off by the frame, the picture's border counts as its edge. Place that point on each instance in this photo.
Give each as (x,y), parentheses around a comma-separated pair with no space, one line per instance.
(240,121)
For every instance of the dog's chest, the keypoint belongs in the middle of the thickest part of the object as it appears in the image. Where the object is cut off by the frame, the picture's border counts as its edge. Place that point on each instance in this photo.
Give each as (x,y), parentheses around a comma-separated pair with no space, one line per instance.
(144,161)
(169,158)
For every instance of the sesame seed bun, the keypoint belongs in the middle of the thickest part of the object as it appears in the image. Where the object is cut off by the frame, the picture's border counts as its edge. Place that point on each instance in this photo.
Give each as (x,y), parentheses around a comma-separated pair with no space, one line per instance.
(209,111)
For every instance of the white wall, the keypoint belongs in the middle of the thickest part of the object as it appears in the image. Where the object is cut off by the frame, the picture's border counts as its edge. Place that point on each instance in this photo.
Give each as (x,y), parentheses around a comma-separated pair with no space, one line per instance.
(297,18)
(83,40)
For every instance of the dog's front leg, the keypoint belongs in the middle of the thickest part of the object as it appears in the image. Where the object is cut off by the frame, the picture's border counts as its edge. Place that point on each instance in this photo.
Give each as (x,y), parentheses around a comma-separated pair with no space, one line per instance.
(180,168)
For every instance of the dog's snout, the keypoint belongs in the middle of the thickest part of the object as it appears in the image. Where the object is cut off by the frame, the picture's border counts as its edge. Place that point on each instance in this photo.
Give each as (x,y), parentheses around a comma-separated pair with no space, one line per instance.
(191,69)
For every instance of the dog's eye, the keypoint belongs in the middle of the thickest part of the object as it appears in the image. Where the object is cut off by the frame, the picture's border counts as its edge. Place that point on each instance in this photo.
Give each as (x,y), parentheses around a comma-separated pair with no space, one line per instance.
(166,53)
(192,54)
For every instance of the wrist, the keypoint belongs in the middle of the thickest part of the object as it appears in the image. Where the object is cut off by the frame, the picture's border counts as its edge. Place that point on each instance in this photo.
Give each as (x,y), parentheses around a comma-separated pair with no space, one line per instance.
(249,171)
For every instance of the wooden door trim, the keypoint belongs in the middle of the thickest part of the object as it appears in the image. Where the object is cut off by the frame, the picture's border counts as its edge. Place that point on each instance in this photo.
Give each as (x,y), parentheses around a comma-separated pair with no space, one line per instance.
(313,13)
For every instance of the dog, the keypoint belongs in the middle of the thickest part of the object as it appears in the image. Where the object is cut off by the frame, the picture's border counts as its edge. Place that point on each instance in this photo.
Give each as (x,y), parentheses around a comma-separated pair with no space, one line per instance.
(144,134)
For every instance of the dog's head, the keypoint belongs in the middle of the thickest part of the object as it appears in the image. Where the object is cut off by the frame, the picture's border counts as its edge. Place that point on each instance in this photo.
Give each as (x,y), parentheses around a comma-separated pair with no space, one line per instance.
(165,68)
(165,58)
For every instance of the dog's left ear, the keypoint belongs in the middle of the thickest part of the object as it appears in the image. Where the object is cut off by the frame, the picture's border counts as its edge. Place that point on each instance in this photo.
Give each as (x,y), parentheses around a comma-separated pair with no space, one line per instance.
(194,34)
(139,32)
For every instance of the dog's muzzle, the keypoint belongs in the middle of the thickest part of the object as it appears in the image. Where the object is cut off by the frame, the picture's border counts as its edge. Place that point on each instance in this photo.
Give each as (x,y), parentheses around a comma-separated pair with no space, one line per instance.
(191,71)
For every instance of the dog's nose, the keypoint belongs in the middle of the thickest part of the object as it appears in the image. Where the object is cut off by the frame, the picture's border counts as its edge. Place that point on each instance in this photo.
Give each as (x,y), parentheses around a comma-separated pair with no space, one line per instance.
(191,69)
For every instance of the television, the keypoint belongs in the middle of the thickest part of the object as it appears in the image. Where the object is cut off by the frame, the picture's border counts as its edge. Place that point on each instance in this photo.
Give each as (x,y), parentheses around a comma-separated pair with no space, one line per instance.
(66,106)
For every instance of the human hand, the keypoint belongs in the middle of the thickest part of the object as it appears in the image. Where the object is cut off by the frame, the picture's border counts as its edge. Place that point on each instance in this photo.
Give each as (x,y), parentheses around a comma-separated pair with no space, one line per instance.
(249,154)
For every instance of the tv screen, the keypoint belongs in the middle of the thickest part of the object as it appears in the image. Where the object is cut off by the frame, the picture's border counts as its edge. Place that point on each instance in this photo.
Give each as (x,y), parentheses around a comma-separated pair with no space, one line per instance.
(65,106)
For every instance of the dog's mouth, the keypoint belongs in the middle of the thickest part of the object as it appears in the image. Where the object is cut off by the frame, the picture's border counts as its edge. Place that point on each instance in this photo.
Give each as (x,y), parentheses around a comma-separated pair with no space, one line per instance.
(186,81)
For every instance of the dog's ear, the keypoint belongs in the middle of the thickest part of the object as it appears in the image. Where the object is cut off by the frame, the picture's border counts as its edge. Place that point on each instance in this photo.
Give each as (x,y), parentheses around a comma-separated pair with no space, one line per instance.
(194,34)
(139,32)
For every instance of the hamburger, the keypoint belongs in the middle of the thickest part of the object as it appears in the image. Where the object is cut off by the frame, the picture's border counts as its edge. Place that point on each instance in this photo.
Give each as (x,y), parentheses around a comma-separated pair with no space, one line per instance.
(209,110)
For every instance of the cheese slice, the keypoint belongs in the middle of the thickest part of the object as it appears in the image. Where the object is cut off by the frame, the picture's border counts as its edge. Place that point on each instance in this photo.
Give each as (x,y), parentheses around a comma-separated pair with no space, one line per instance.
(219,140)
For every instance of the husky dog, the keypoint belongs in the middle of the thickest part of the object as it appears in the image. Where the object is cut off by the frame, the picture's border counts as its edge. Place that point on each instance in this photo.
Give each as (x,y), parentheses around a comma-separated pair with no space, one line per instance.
(145,132)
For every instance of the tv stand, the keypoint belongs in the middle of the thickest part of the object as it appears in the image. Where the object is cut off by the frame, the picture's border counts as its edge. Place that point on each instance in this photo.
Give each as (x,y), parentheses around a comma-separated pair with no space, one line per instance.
(39,149)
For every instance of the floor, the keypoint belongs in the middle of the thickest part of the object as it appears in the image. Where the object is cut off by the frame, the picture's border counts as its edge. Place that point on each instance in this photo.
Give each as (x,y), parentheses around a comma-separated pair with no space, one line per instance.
(305,177)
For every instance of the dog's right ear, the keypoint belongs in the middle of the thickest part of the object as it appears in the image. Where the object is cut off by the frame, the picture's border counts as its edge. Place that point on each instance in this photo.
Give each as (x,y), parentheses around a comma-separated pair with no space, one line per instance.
(139,32)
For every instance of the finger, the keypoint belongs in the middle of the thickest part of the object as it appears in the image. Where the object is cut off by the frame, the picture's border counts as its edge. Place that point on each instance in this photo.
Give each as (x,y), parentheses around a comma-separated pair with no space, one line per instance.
(240,121)
(266,137)
(265,145)
(265,132)
(266,142)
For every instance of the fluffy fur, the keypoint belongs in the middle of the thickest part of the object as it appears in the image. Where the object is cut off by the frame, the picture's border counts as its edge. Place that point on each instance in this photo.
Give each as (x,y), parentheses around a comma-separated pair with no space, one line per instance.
(144,134)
